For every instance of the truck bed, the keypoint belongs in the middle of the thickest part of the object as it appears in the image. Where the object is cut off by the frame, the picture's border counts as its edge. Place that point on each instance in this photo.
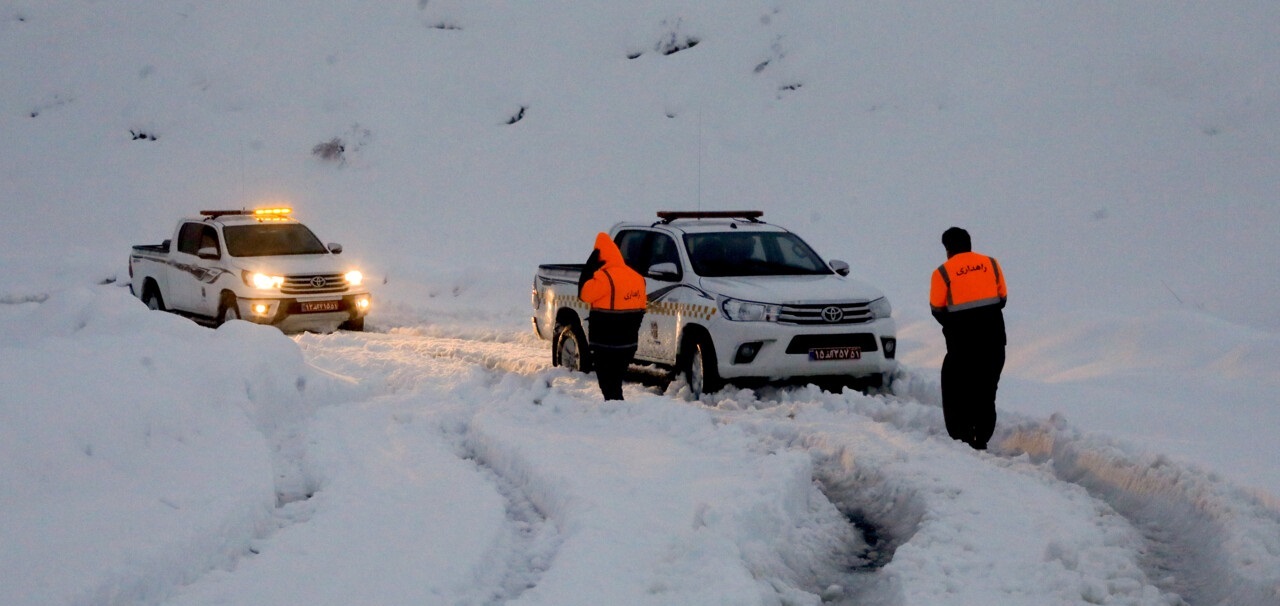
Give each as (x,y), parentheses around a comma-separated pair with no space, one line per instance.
(152,248)
(560,272)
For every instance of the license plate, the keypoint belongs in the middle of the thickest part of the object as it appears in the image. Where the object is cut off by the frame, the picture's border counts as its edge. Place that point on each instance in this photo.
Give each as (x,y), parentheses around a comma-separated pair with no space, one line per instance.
(314,306)
(835,353)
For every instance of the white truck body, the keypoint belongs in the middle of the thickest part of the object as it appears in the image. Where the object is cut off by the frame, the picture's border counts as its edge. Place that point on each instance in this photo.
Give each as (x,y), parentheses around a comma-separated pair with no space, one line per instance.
(771,311)
(262,266)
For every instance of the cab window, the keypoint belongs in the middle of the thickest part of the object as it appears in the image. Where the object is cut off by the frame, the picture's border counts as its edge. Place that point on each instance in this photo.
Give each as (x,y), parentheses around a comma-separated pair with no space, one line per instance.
(195,236)
(643,249)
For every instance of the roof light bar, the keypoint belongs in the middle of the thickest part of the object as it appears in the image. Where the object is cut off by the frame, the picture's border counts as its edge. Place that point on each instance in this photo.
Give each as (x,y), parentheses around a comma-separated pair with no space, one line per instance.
(272,212)
(214,214)
(668,216)
(261,214)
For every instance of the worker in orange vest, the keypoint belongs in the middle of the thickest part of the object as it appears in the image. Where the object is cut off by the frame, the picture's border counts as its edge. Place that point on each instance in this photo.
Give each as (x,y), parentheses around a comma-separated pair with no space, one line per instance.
(967,295)
(617,298)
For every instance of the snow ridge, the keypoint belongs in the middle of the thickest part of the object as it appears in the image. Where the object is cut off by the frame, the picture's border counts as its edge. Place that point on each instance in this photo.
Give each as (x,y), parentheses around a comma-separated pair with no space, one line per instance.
(1209,542)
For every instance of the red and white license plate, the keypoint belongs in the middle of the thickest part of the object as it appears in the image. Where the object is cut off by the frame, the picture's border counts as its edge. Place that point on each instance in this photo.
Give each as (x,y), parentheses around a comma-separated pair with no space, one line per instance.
(317,306)
(835,353)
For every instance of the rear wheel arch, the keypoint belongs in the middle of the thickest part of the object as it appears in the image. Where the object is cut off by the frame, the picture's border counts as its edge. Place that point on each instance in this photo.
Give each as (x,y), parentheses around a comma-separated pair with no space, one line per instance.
(151,295)
(569,347)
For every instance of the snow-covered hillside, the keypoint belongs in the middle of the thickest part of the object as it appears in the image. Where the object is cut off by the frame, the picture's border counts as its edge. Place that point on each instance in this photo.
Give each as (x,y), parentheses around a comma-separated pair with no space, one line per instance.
(1119,158)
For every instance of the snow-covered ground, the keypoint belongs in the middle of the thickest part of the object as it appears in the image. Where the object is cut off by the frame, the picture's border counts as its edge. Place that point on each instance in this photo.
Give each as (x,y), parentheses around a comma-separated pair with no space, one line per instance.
(1120,159)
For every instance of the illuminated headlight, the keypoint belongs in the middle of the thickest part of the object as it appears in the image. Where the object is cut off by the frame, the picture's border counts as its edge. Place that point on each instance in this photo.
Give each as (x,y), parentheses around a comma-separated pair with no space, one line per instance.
(261,281)
(880,308)
(749,311)
(354,278)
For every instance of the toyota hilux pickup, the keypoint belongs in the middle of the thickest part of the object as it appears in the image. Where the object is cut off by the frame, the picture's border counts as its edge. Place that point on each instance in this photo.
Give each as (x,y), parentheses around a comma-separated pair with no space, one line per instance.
(259,265)
(731,299)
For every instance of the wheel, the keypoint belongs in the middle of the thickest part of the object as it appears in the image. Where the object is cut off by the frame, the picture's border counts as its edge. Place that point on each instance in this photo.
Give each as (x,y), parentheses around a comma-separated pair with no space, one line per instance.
(228,310)
(885,384)
(569,348)
(151,296)
(355,325)
(701,368)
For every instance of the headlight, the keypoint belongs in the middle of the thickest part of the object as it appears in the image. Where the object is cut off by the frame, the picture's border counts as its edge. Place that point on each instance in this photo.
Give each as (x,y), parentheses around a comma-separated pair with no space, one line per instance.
(261,281)
(749,311)
(880,308)
(354,278)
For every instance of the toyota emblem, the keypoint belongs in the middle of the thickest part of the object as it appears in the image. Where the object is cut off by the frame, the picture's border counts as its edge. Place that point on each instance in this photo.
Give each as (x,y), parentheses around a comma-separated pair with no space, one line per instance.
(832,314)
(320,282)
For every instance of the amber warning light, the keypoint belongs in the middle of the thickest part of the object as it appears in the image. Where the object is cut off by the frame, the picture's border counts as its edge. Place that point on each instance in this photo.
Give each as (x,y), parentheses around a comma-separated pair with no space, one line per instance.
(272,212)
(261,214)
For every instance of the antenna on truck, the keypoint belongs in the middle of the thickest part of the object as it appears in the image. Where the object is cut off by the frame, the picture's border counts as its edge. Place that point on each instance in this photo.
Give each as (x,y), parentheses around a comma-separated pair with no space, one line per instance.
(699,156)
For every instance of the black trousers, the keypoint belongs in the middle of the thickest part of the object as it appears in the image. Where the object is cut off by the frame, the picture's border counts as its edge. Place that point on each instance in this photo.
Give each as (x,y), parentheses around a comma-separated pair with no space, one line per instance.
(970,377)
(611,366)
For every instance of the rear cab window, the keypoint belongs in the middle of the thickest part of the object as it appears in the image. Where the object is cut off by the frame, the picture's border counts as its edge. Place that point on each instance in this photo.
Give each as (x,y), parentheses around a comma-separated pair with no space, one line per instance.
(643,249)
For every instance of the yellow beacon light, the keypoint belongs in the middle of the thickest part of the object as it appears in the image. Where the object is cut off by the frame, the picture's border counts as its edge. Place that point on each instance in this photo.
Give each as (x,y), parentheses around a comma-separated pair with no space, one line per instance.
(276,212)
(272,214)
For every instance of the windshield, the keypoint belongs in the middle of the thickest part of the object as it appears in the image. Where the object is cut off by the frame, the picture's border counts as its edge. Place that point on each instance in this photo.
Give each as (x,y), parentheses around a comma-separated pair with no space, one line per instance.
(725,254)
(270,239)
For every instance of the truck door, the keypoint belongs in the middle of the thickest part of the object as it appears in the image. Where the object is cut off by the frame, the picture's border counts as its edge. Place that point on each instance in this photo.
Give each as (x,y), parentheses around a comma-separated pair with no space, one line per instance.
(191,276)
(655,256)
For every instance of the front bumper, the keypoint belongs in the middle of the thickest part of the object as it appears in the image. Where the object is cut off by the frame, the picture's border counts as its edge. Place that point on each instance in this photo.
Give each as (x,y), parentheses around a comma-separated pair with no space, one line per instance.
(290,313)
(774,351)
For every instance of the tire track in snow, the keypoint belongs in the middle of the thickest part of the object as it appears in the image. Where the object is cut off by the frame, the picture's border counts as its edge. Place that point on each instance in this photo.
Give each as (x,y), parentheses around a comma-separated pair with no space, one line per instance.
(508,367)
(408,363)
(876,507)
(1208,543)
(1195,534)
(533,539)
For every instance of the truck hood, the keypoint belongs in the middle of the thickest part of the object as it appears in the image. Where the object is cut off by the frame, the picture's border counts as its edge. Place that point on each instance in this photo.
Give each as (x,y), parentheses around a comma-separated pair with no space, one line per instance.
(292,265)
(831,288)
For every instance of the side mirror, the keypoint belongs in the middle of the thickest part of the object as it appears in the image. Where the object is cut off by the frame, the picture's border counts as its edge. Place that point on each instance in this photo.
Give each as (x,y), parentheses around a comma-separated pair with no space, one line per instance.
(666,272)
(208,253)
(335,248)
(840,267)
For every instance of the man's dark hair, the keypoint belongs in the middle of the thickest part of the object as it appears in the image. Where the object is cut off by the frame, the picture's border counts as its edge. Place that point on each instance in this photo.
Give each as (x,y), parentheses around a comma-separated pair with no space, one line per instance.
(956,240)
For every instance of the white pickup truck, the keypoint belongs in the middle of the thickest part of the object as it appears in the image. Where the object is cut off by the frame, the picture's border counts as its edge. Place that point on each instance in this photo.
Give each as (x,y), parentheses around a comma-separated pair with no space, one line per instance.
(731,298)
(259,265)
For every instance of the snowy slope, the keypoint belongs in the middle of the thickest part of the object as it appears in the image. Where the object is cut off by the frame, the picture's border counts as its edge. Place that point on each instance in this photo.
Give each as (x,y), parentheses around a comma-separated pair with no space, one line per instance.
(1118,158)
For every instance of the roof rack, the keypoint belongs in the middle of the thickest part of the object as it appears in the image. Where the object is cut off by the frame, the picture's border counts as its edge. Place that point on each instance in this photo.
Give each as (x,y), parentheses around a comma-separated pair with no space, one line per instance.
(668,216)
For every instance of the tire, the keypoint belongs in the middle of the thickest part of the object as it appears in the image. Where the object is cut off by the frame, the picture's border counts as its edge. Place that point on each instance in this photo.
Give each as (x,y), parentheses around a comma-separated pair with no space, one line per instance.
(885,385)
(151,296)
(700,367)
(570,349)
(228,310)
(356,325)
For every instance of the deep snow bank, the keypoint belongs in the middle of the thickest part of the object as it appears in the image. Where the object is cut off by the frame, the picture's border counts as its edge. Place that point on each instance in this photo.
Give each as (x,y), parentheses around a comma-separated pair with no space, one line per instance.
(137,449)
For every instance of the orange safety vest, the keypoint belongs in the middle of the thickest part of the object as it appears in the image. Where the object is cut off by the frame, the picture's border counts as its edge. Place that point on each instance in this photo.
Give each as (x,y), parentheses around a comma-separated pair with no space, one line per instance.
(966,281)
(615,286)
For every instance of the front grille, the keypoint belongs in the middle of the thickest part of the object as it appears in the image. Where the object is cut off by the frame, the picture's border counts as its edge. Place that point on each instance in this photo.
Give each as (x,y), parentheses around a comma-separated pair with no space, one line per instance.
(801,344)
(823,313)
(314,284)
